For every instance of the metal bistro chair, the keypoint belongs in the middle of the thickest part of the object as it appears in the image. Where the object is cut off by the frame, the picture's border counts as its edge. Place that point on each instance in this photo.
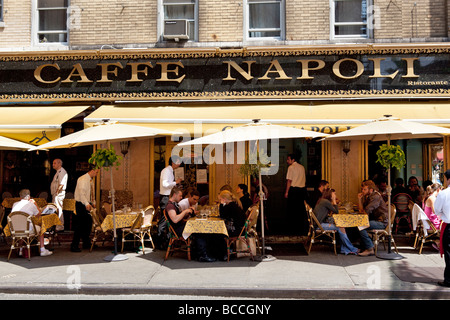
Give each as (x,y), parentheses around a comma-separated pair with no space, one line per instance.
(51,232)
(252,224)
(141,228)
(22,231)
(318,234)
(381,234)
(176,239)
(243,236)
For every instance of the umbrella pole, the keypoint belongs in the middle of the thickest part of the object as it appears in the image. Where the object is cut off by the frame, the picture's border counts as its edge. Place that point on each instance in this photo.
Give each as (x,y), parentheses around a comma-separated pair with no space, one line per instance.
(389,255)
(263,257)
(114,256)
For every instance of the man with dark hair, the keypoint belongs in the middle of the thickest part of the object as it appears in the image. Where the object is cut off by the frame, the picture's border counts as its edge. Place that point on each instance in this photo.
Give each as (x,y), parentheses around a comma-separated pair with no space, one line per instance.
(84,204)
(442,210)
(317,193)
(296,195)
(190,201)
(244,197)
(167,180)
(371,202)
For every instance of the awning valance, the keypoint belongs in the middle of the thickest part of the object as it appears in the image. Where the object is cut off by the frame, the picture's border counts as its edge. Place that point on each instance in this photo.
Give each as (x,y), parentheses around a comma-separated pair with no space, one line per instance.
(35,124)
(324,117)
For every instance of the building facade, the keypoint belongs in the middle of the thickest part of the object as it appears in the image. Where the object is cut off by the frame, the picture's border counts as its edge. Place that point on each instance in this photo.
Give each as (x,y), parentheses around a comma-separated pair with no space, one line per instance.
(198,65)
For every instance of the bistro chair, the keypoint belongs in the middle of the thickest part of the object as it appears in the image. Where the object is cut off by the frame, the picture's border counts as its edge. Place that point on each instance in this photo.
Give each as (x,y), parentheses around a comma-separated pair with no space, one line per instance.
(243,236)
(175,240)
(253,216)
(382,234)
(140,228)
(402,202)
(51,232)
(317,233)
(22,230)
(425,231)
(99,234)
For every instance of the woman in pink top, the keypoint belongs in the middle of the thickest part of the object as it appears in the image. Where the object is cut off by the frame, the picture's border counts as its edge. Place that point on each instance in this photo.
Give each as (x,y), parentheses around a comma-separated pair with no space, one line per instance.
(428,208)
(432,192)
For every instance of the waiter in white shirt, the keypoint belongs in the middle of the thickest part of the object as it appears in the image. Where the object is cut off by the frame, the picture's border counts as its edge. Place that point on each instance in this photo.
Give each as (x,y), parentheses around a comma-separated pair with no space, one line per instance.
(58,189)
(296,195)
(83,205)
(442,210)
(167,181)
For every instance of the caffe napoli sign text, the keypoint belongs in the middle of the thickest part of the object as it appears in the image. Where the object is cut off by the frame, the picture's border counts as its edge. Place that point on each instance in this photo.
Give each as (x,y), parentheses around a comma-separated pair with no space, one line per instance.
(215,77)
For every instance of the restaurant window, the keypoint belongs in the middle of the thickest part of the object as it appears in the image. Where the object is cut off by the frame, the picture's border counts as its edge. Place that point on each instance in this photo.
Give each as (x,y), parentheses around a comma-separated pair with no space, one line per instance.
(436,152)
(264,19)
(51,21)
(182,16)
(349,19)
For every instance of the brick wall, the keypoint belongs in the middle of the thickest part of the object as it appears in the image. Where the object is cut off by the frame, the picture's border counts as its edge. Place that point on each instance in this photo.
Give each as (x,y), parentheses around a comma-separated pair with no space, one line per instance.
(220,20)
(307,20)
(17,29)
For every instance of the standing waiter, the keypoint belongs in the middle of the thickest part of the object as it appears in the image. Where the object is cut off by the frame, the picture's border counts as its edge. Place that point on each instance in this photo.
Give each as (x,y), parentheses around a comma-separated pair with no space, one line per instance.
(84,204)
(296,195)
(442,209)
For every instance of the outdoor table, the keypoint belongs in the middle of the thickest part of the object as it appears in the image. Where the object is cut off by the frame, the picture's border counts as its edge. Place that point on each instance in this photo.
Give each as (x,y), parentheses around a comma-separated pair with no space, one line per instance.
(8,202)
(348,220)
(122,221)
(45,222)
(204,225)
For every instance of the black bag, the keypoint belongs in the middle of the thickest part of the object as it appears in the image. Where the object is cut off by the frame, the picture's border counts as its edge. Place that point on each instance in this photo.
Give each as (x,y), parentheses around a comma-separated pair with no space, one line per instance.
(162,237)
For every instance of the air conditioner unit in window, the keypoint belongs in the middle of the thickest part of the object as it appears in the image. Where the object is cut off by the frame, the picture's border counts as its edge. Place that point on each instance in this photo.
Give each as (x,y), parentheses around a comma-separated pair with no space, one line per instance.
(176,29)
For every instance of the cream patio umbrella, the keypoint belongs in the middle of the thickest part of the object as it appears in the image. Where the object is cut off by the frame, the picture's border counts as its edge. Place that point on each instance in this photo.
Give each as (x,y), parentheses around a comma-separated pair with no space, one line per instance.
(255,131)
(105,133)
(389,128)
(11,144)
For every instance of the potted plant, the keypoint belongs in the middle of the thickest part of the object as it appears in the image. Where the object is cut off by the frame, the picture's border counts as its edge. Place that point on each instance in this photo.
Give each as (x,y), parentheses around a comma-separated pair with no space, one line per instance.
(105,158)
(253,169)
(391,156)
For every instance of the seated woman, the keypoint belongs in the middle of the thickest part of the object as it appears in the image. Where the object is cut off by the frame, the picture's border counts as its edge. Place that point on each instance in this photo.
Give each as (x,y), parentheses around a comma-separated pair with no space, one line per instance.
(231,211)
(428,208)
(326,204)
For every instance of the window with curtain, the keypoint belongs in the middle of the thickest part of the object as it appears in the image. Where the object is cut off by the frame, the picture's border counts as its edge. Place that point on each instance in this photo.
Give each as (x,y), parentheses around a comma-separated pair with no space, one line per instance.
(52,21)
(265,18)
(182,9)
(350,19)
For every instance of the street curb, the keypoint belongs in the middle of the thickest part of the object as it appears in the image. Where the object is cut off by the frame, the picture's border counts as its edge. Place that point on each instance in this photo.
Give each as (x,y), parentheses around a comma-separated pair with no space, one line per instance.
(255,293)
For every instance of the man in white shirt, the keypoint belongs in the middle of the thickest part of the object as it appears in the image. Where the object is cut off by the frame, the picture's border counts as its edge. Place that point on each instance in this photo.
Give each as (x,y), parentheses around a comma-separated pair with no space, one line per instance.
(58,189)
(296,195)
(28,205)
(84,204)
(191,201)
(442,210)
(167,181)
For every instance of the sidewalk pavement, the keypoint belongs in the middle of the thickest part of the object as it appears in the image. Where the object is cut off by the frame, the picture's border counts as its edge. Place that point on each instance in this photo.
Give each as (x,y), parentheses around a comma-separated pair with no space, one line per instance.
(294,274)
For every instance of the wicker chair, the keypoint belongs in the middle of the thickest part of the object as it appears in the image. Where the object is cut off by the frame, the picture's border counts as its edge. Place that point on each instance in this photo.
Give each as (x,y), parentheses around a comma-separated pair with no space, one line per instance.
(243,236)
(318,234)
(252,224)
(141,228)
(176,239)
(22,230)
(381,234)
(99,234)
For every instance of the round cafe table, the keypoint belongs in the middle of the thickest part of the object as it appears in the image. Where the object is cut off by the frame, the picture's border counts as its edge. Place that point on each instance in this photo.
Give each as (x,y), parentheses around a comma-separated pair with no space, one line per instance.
(45,222)
(348,220)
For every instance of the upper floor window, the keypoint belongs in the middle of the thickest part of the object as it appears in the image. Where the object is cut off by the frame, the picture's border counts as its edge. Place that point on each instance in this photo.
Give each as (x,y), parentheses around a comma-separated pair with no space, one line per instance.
(51,21)
(264,19)
(1,11)
(180,19)
(349,19)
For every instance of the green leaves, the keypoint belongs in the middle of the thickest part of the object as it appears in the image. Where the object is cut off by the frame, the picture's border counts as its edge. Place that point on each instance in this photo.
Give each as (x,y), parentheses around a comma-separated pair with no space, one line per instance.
(391,156)
(252,166)
(105,158)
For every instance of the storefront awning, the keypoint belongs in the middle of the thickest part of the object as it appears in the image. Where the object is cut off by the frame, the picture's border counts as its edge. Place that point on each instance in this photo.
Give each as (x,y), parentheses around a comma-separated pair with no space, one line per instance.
(323,117)
(35,124)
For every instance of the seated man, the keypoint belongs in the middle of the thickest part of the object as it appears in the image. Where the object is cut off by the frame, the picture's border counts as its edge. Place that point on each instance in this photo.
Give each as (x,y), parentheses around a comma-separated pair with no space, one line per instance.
(28,205)
(371,202)
(191,200)
(178,221)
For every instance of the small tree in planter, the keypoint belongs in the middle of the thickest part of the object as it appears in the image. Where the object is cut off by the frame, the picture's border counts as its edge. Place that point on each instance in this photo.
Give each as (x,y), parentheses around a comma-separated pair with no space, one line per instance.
(391,156)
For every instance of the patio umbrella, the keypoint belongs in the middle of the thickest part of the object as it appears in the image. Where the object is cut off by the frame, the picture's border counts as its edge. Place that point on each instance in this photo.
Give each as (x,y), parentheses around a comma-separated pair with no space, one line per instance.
(105,133)
(252,132)
(11,144)
(389,128)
